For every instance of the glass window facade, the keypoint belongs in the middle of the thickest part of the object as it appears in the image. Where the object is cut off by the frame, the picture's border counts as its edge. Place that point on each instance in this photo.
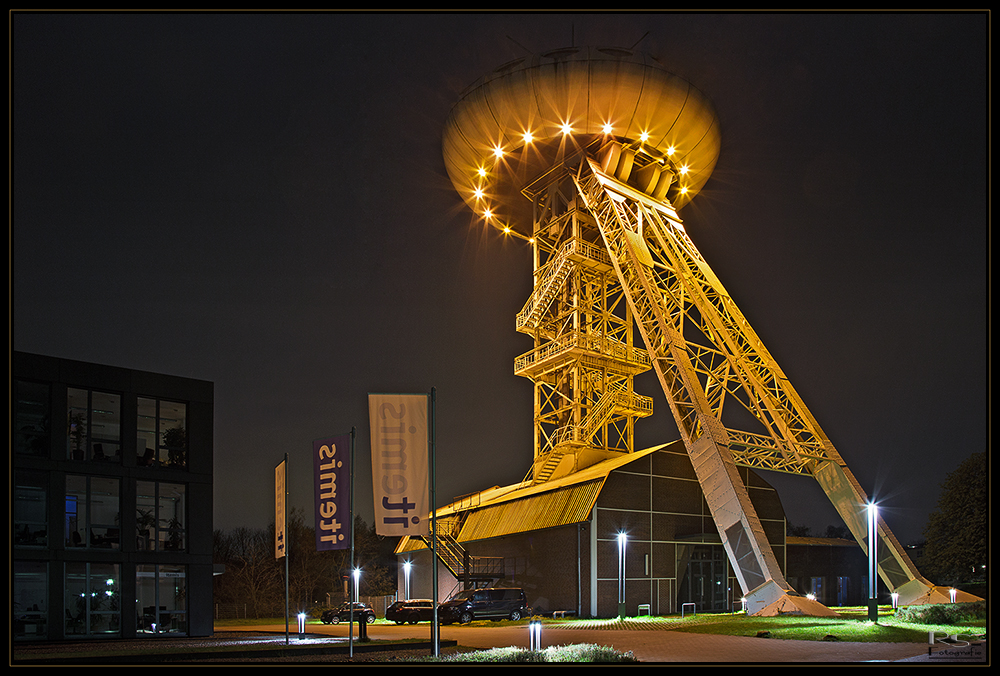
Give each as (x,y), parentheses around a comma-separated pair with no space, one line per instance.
(161,598)
(32,418)
(160,516)
(162,433)
(93,425)
(92,600)
(31,599)
(92,512)
(30,508)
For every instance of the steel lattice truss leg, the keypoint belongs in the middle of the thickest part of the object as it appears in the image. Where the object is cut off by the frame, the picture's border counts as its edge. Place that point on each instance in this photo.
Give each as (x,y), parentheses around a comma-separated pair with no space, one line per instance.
(710,363)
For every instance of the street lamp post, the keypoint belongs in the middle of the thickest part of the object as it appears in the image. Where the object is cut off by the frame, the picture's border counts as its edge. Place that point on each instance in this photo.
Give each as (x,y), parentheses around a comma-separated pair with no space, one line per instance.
(872,562)
(406,577)
(622,539)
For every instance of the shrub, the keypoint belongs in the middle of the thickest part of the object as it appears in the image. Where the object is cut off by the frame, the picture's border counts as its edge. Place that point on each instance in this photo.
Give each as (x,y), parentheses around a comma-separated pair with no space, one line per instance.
(582,652)
(943,613)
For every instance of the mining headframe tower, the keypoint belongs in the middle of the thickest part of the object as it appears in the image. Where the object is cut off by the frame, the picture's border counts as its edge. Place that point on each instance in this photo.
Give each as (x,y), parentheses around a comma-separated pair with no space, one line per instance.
(587,154)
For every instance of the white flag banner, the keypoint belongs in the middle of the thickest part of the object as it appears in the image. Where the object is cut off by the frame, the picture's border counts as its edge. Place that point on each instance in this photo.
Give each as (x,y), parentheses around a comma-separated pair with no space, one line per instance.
(400,463)
(279,510)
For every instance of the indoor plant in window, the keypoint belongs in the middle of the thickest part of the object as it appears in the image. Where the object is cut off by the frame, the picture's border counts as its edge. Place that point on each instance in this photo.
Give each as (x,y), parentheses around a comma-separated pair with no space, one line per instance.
(175,440)
(144,523)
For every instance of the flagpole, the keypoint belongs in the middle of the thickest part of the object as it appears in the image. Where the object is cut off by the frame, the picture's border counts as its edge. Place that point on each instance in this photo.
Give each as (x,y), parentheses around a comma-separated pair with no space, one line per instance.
(284,529)
(435,628)
(350,573)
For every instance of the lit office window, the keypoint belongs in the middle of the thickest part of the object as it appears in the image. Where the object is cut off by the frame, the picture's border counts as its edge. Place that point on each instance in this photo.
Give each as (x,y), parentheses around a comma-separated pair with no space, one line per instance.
(161,598)
(162,433)
(160,516)
(93,425)
(92,599)
(92,512)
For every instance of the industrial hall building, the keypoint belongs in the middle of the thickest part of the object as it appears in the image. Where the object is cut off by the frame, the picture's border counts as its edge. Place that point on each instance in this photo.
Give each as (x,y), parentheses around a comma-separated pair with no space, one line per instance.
(628,535)
(111,501)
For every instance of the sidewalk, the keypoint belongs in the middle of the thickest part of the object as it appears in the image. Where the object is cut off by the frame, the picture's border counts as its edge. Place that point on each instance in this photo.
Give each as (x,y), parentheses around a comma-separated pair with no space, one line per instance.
(328,643)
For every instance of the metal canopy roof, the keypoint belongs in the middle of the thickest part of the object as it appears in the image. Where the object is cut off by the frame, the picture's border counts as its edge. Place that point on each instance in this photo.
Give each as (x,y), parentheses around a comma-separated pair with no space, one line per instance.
(522,508)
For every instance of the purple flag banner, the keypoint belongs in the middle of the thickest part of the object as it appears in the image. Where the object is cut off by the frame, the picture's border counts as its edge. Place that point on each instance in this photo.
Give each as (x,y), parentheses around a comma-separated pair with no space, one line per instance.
(331,479)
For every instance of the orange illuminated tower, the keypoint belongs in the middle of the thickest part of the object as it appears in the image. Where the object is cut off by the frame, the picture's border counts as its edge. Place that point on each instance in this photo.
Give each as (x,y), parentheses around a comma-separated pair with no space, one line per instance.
(587,154)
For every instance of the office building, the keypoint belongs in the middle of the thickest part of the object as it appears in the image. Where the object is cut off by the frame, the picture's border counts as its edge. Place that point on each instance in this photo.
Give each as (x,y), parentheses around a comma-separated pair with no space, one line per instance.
(111,485)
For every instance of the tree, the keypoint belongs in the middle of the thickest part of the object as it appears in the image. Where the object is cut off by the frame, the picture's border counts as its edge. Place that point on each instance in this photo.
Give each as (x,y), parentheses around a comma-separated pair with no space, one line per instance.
(251,576)
(957,530)
(312,574)
(841,532)
(798,531)
(374,554)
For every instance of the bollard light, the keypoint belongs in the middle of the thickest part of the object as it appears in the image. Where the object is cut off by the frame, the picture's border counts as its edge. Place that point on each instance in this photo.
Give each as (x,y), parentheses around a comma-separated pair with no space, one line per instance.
(895,600)
(357,578)
(535,634)
(953,592)
(744,602)
(302,625)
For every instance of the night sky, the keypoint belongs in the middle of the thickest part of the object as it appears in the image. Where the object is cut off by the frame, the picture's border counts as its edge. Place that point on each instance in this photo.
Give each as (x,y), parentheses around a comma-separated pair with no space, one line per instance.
(259,200)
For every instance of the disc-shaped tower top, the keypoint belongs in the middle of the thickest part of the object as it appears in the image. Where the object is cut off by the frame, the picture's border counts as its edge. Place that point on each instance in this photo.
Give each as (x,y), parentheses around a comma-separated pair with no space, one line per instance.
(532,113)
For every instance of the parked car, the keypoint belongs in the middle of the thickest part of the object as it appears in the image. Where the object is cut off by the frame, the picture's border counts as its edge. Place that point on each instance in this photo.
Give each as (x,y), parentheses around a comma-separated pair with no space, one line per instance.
(411,611)
(480,604)
(343,614)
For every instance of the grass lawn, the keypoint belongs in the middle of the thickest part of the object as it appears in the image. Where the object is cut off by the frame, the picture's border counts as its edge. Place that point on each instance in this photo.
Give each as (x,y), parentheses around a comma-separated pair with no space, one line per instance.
(852,625)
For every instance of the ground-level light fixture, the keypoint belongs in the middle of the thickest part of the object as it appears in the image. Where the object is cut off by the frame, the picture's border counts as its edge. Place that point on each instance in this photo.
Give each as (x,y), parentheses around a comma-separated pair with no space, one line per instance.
(535,634)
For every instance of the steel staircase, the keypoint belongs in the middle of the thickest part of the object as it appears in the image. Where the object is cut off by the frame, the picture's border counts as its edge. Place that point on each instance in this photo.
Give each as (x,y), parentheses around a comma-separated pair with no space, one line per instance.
(553,276)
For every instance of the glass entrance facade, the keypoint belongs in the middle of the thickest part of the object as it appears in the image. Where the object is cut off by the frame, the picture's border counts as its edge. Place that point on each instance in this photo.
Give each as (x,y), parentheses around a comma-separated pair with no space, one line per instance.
(706,581)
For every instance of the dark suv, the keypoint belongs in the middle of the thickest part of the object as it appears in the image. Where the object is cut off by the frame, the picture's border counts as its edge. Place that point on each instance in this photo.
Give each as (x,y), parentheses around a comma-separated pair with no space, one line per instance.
(484,604)
(411,611)
(343,614)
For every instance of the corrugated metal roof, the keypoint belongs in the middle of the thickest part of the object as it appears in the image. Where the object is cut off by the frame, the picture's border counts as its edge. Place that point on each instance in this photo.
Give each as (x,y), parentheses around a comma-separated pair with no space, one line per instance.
(520,508)
(571,504)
